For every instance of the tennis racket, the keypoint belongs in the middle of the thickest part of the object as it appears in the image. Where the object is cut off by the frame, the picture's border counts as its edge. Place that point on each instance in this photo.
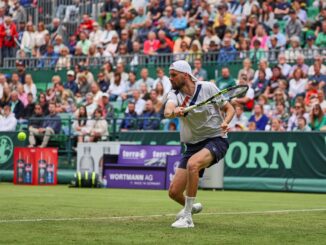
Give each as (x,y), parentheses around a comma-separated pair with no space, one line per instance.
(225,94)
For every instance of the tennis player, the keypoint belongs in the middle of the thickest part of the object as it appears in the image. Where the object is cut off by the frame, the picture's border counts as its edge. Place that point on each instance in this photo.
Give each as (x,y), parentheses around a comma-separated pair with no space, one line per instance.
(203,130)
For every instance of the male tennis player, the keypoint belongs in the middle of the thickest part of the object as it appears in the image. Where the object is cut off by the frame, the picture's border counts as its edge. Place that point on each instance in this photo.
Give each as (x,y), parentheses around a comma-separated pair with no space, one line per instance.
(203,130)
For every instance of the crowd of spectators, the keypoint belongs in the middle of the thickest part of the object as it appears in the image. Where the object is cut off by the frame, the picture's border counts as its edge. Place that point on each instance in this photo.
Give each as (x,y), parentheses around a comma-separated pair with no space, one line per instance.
(287,90)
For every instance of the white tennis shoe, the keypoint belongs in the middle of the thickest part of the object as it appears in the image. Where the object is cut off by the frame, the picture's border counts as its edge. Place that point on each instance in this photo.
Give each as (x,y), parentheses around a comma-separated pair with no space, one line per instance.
(183,222)
(196,208)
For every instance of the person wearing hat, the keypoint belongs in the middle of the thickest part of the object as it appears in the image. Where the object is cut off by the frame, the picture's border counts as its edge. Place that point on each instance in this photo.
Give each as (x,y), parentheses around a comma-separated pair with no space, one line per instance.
(294,26)
(202,130)
(224,14)
(311,48)
(71,82)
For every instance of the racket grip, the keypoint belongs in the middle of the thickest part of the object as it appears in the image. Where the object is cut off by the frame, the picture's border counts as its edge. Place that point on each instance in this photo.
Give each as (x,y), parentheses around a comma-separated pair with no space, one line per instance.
(189,108)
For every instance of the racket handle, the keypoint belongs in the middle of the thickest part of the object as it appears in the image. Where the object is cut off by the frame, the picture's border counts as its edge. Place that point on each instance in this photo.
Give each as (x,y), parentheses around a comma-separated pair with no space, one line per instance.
(189,108)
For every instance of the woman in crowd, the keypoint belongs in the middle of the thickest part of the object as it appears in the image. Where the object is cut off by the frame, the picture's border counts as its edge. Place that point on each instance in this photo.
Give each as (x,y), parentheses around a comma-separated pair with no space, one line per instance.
(99,129)
(297,84)
(22,96)
(82,124)
(43,103)
(259,117)
(317,119)
(29,86)
(299,110)
(64,61)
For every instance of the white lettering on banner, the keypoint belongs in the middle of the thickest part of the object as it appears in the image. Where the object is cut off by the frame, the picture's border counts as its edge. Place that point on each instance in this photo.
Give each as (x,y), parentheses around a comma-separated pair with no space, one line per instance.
(161,154)
(134,154)
(126,176)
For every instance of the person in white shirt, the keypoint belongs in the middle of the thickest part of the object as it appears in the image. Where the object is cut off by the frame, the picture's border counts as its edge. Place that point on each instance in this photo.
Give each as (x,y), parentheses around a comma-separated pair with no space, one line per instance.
(285,68)
(163,79)
(297,83)
(90,104)
(8,121)
(117,87)
(96,35)
(139,102)
(28,41)
(239,117)
(29,86)
(145,79)
(263,65)
(97,93)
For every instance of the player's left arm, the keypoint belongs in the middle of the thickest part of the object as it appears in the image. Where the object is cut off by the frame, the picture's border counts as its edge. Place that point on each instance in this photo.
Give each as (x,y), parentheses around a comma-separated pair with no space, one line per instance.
(229,111)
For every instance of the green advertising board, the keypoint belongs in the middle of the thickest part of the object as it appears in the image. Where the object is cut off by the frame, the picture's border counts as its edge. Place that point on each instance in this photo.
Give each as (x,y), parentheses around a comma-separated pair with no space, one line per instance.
(8,140)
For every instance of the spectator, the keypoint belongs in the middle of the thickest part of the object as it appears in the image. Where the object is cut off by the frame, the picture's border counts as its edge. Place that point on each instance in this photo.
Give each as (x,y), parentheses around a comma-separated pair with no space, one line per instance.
(318,76)
(82,124)
(90,104)
(120,68)
(56,28)
(260,85)
(160,91)
(322,100)
(117,87)
(294,26)
(96,34)
(280,112)
(49,59)
(259,117)
(226,80)
(83,85)
(285,68)
(311,91)
(36,119)
(246,70)
(8,34)
(321,37)
(239,117)
(86,25)
(8,121)
(97,93)
(157,103)
(5,99)
(199,72)
(106,106)
(311,48)
(151,45)
(29,86)
(299,64)
(3,84)
(130,118)
(29,108)
(84,43)
(144,78)
(227,52)
(302,125)
(17,107)
(182,38)
(317,118)
(50,126)
(299,111)
(107,9)
(125,40)
(139,20)
(149,120)
(210,37)
(276,125)
(257,53)
(184,52)
(28,41)
(297,84)
(179,22)
(262,37)
(294,51)
(144,91)
(22,96)
(195,51)
(42,38)
(318,59)
(18,12)
(163,79)
(155,10)
(281,39)
(224,14)
(71,83)
(43,103)
(166,44)
(64,61)
(102,82)
(247,101)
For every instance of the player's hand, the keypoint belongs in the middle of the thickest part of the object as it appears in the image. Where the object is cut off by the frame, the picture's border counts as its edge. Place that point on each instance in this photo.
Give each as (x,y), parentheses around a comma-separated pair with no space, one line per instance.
(225,127)
(178,111)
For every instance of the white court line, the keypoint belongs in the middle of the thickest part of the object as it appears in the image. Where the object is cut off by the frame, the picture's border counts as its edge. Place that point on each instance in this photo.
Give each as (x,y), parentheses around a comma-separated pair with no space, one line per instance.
(161,215)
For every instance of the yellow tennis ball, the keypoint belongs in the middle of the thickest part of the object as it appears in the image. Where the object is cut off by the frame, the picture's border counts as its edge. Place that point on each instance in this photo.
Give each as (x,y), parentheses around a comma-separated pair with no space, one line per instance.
(21,136)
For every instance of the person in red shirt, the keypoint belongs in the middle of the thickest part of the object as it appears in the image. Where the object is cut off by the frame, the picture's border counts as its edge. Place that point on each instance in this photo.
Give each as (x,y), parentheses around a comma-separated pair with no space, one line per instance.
(86,25)
(151,44)
(8,34)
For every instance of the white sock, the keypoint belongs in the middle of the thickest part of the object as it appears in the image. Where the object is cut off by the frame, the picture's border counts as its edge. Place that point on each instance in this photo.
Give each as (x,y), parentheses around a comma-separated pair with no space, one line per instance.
(188,206)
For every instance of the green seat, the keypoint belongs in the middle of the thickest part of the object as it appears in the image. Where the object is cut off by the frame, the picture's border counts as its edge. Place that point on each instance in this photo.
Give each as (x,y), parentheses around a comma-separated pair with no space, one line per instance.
(312,12)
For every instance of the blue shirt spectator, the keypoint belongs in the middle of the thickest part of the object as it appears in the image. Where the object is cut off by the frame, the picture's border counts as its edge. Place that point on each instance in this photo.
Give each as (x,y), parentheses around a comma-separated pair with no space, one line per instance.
(49,59)
(227,53)
(259,117)
(71,83)
(130,120)
(150,120)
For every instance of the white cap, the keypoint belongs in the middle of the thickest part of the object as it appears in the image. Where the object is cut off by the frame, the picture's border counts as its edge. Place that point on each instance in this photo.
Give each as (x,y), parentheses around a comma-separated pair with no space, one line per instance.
(70,73)
(184,67)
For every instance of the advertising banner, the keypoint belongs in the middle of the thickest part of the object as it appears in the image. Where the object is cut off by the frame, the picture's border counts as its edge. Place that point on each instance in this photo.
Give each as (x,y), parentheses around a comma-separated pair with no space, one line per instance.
(146,155)
(277,155)
(90,155)
(35,166)
(9,140)
(24,166)
(136,178)
(172,164)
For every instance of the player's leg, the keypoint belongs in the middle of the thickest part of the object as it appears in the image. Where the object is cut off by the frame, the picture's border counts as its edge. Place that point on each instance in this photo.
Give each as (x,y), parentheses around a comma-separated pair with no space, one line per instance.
(196,162)
(178,186)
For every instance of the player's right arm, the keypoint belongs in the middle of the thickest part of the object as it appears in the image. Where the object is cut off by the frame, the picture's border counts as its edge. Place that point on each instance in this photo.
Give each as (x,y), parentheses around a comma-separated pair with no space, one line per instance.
(171,109)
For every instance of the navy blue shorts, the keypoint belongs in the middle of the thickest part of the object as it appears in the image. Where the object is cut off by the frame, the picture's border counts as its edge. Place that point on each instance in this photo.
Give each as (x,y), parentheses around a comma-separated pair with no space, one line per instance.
(218,146)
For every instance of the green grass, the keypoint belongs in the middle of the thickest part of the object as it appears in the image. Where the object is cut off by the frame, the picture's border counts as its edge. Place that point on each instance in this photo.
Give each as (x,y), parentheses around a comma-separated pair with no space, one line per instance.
(24,202)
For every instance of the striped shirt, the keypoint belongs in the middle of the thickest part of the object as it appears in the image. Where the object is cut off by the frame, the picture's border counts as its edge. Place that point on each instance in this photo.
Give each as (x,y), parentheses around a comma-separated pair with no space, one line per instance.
(203,122)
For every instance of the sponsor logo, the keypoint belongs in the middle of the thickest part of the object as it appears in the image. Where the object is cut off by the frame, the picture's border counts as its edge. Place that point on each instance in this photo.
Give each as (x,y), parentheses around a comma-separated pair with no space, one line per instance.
(6,149)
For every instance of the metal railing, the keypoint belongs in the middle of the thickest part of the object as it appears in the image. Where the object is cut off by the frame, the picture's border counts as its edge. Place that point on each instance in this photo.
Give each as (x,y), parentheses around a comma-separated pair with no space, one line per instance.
(134,60)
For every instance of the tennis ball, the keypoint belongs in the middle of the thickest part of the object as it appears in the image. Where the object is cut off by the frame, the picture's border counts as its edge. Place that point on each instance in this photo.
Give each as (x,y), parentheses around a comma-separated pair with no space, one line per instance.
(21,136)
